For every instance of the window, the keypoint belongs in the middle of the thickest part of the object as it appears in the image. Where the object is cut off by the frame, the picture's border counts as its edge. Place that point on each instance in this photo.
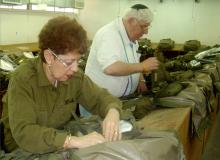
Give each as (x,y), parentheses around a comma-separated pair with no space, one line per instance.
(41,5)
(9,6)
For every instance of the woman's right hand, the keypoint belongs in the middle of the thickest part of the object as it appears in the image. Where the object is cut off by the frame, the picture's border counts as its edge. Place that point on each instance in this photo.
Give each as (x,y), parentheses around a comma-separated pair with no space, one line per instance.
(85,141)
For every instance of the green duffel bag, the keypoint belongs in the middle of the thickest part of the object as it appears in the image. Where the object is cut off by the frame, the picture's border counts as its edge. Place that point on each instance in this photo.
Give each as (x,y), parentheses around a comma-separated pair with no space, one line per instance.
(182,75)
(166,44)
(177,65)
(192,45)
(173,102)
(140,106)
(187,57)
(144,42)
(20,154)
(171,89)
(161,74)
(149,148)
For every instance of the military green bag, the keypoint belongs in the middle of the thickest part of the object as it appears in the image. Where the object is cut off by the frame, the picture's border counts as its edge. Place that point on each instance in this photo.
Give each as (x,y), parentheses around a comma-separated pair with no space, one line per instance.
(84,126)
(149,148)
(173,102)
(139,106)
(187,57)
(182,75)
(144,42)
(176,65)
(161,74)
(166,44)
(160,56)
(20,154)
(9,142)
(171,89)
(192,45)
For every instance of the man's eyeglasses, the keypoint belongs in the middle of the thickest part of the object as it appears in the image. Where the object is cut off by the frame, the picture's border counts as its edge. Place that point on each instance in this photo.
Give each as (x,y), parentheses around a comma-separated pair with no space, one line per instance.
(66,64)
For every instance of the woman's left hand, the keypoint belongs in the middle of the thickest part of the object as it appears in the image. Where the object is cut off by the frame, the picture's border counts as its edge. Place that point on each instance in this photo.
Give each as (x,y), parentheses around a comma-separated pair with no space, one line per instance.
(142,87)
(110,125)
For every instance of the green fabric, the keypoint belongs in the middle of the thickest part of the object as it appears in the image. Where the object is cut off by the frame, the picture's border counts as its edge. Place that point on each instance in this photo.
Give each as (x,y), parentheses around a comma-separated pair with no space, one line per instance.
(37,110)
(217,86)
(182,75)
(192,45)
(139,106)
(155,146)
(161,74)
(166,44)
(84,126)
(9,142)
(172,89)
(20,154)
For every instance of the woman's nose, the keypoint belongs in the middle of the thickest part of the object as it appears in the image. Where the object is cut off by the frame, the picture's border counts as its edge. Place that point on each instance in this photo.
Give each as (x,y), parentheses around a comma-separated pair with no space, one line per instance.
(74,67)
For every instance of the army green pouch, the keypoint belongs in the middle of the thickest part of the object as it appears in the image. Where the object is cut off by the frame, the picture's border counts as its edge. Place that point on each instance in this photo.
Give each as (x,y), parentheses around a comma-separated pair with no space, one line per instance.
(182,75)
(166,44)
(192,45)
(172,89)
(20,154)
(173,102)
(139,106)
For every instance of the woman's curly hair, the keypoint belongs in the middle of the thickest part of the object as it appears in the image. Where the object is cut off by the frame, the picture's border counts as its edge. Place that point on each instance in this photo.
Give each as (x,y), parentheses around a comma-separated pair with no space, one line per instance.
(62,34)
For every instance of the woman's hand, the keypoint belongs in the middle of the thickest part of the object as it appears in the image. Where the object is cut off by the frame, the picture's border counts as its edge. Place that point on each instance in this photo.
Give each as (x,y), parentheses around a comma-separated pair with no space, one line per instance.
(142,87)
(84,141)
(110,125)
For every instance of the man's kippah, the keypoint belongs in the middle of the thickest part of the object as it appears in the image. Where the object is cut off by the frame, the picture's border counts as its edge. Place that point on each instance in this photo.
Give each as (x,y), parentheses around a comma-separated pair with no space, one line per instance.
(139,6)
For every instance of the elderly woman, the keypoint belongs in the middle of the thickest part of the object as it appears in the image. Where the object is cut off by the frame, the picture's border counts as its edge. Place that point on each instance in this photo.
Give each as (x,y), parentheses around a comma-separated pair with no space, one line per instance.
(44,92)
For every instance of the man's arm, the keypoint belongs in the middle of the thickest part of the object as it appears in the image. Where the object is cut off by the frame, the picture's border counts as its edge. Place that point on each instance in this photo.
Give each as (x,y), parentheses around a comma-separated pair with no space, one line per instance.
(119,68)
(122,69)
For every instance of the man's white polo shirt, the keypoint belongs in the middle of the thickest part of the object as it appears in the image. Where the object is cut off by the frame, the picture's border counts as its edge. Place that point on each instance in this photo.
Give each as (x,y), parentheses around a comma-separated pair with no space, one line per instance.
(111,44)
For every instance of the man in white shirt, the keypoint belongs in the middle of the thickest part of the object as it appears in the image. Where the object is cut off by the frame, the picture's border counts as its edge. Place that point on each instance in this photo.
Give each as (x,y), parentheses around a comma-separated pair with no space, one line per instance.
(113,62)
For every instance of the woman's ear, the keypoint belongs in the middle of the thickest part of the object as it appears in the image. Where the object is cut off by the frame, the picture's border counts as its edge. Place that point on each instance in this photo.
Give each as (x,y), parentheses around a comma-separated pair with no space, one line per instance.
(48,57)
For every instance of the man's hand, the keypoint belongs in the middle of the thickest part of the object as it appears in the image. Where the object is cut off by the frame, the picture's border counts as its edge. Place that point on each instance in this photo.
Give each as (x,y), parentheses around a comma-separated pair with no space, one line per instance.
(110,125)
(150,64)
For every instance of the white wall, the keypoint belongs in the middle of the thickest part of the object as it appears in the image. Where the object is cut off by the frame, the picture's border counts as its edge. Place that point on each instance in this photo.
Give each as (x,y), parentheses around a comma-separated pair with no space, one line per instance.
(99,12)
(182,20)
(22,26)
(179,20)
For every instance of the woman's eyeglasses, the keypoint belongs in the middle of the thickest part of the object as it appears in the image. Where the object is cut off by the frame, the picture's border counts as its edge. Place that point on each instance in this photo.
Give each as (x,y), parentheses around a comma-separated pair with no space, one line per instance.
(66,64)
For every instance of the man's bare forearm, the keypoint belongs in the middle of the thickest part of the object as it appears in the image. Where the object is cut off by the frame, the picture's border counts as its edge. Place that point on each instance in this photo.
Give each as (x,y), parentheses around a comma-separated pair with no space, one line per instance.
(123,69)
